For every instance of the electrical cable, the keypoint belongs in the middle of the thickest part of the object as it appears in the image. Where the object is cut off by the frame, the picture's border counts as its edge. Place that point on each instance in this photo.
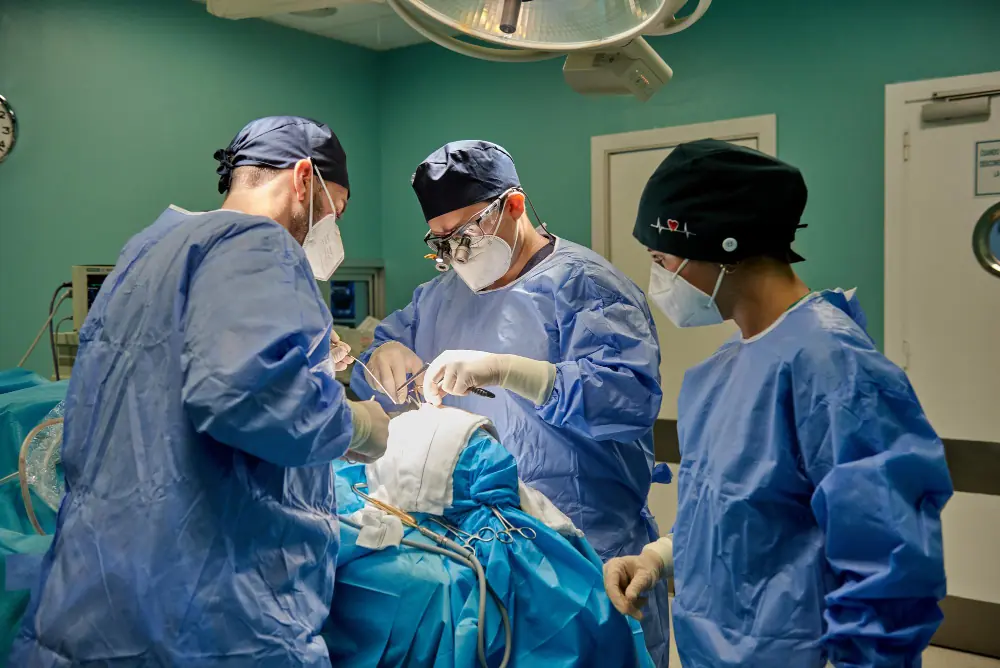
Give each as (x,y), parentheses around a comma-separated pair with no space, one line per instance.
(60,322)
(31,348)
(450,546)
(466,558)
(52,334)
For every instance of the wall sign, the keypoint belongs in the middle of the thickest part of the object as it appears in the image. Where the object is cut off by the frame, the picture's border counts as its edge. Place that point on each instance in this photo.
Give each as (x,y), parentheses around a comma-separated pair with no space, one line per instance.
(988,167)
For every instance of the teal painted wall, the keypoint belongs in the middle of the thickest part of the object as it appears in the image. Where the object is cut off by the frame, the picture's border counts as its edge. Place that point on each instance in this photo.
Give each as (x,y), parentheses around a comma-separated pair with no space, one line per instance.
(821,67)
(122,104)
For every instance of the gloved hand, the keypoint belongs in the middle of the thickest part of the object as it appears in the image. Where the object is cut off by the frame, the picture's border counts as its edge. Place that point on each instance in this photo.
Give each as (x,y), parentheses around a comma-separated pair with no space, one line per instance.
(391,363)
(338,351)
(371,431)
(626,579)
(456,371)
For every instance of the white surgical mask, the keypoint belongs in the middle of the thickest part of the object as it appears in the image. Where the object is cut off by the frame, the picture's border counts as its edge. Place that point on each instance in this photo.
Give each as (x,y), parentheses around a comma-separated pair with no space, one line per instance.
(684,304)
(323,246)
(489,259)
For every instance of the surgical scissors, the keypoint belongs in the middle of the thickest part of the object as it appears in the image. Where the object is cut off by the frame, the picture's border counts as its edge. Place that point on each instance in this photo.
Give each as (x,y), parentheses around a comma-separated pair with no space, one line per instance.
(484,535)
(509,529)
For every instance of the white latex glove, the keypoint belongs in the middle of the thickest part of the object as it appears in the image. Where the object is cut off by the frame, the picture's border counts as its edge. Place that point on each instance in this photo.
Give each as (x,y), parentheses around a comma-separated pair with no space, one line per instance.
(371,432)
(456,371)
(391,363)
(338,351)
(626,579)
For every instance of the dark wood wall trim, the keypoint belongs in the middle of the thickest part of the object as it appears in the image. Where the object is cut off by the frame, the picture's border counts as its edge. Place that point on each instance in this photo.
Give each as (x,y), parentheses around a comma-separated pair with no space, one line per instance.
(969,626)
(974,465)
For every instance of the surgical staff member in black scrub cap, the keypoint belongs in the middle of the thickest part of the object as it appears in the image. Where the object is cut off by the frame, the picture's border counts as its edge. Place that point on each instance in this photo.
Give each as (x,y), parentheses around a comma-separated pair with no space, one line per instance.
(811,484)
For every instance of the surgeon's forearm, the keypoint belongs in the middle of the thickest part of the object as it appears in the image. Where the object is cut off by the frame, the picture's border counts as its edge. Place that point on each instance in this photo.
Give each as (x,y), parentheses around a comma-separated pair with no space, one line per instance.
(602,403)
(531,379)
(295,422)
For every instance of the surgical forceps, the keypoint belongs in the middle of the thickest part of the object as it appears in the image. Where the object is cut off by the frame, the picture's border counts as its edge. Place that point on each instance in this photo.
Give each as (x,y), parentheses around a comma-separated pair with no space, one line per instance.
(509,529)
(484,535)
(449,548)
(475,390)
(411,402)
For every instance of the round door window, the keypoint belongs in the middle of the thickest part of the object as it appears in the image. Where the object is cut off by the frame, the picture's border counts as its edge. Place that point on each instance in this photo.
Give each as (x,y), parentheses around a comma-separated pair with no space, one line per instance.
(986,240)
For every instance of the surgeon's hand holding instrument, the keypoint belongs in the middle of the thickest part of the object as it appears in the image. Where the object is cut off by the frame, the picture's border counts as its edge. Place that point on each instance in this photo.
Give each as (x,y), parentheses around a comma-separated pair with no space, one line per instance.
(389,366)
(460,372)
(339,352)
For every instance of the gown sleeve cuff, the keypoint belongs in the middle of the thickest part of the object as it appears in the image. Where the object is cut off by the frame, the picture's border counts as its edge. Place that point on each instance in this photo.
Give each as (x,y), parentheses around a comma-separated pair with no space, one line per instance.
(664,549)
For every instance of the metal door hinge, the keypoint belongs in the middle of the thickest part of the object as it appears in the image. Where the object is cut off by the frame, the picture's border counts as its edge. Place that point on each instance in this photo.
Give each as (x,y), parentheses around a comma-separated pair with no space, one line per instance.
(906,146)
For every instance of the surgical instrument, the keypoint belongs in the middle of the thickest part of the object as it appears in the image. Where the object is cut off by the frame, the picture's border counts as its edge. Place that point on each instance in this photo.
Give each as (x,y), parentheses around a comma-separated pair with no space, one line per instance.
(451,549)
(475,390)
(509,529)
(413,377)
(484,535)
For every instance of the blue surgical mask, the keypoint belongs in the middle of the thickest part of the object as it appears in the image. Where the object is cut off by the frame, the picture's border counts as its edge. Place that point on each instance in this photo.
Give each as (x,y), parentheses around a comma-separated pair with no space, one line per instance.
(684,304)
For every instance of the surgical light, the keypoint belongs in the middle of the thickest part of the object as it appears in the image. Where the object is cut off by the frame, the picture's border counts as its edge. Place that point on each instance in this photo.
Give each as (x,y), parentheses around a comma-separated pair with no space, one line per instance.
(602,40)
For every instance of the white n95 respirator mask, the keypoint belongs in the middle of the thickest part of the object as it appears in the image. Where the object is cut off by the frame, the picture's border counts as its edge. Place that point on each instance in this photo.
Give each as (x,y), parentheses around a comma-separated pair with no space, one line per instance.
(323,246)
(684,304)
(488,261)
(489,257)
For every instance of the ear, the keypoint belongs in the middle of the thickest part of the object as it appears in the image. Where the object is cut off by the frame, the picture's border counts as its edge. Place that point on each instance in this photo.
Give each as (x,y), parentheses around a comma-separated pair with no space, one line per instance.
(302,175)
(515,205)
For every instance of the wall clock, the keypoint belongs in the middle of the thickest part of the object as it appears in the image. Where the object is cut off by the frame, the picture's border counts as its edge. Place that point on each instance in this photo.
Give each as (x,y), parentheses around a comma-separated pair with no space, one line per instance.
(8,128)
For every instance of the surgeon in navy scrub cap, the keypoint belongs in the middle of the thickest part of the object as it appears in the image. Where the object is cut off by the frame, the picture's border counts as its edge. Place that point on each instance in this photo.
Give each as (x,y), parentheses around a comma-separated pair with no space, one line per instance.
(563,339)
(199,526)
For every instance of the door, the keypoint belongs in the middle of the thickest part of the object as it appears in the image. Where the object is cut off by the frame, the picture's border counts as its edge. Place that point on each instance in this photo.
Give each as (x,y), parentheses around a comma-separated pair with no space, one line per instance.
(943,313)
(621,166)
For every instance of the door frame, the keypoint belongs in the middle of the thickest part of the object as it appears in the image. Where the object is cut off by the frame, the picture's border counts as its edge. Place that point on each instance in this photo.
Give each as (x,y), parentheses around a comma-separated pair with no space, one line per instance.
(762,128)
(969,625)
(897,98)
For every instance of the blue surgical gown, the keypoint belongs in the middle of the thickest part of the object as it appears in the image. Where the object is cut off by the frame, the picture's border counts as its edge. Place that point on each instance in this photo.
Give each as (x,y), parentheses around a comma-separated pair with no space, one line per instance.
(589,448)
(199,526)
(810,493)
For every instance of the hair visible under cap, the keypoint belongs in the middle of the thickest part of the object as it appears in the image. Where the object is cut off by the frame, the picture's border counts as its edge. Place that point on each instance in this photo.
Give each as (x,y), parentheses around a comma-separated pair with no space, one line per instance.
(252,176)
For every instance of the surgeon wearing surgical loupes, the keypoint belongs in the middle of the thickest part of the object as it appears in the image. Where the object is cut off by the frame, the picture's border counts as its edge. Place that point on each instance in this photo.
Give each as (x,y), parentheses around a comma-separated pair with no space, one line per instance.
(811,484)
(563,339)
(199,525)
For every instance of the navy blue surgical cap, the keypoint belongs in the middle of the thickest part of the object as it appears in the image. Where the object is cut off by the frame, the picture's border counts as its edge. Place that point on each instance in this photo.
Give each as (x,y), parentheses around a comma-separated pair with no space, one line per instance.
(463,173)
(280,142)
